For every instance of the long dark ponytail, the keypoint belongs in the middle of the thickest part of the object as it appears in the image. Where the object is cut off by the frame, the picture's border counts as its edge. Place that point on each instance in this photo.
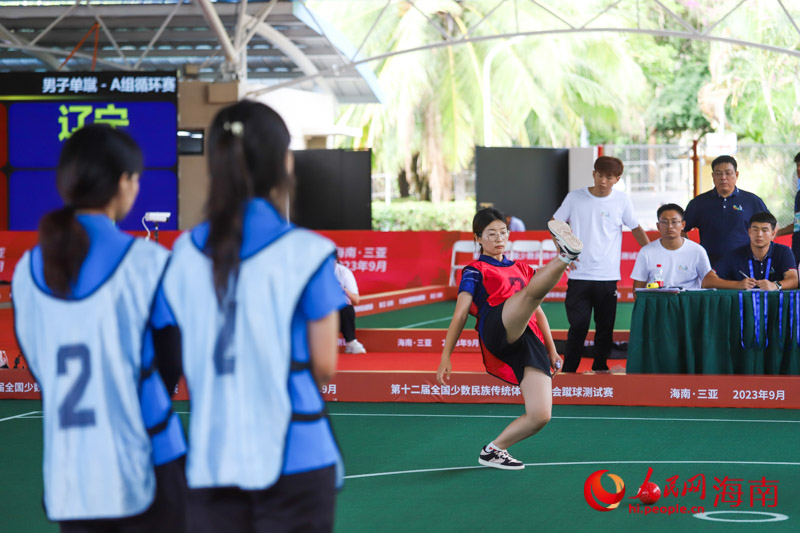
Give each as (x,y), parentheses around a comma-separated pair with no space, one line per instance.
(91,163)
(248,143)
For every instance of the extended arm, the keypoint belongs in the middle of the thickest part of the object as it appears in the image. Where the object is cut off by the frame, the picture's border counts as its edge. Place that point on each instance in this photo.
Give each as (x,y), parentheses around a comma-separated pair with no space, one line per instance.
(322,335)
(638,285)
(712,281)
(640,236)
(789,281)
(544,326)
(460,314)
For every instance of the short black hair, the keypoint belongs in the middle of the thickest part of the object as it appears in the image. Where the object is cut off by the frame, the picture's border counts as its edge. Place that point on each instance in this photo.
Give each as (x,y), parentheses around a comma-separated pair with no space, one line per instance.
(724,159)
(797,159)
(763,216)
(670,207)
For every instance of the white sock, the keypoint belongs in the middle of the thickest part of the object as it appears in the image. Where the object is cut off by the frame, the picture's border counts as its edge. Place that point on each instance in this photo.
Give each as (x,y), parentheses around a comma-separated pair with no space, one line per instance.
(566,259)
(493,446)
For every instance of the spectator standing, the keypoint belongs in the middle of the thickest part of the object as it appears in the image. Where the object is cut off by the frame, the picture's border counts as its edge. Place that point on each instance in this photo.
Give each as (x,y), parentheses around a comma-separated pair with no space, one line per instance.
(722,215)
(683,263)
(84,317)
(257,302)
(794,228)
(596,215)
(347,314)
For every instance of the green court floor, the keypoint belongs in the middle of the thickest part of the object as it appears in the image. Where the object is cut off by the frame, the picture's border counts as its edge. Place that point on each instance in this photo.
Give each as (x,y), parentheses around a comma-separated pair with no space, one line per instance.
(413,467)
(437,316)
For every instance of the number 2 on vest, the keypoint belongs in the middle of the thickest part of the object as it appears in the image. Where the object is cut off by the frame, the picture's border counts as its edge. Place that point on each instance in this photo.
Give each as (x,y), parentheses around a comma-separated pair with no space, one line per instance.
(68,415)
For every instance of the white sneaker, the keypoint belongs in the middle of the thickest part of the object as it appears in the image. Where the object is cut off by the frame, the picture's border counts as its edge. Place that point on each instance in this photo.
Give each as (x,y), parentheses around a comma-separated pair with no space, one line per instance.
(499,459)
(569,245)
(354,347)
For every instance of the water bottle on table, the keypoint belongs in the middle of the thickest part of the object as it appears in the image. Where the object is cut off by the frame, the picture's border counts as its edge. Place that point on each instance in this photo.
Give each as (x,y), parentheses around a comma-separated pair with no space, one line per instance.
(658,277)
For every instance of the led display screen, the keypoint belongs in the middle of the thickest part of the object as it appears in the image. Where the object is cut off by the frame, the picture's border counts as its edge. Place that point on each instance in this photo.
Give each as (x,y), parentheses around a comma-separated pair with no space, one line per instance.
(39,111)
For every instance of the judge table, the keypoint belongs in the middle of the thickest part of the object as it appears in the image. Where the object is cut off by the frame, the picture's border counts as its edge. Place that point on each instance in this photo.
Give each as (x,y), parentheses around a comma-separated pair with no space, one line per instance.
(715,332)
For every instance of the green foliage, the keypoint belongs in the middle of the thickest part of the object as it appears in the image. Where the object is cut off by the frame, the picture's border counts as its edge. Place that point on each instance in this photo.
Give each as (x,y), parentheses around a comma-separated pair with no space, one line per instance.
(543,90)
(623,88)
(677,71)
(410,215)
(674,111)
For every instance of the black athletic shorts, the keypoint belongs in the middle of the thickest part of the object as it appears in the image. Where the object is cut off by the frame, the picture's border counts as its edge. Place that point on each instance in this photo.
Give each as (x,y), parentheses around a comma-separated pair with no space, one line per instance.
(301,503)
(167,513)
(528,350)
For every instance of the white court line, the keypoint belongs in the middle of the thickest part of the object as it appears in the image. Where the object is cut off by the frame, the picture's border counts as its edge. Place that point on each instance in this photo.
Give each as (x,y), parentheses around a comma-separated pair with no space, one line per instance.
(576,418)
(20,416)
(426,322)
(573,463)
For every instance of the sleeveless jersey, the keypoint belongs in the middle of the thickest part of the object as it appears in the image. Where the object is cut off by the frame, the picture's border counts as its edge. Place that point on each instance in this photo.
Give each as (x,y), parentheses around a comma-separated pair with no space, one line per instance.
(256,413)
(88,361)
(498,282)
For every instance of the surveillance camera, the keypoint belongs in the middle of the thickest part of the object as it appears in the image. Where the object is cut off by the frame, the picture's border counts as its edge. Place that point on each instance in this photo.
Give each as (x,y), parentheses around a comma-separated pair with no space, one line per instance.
(157,216)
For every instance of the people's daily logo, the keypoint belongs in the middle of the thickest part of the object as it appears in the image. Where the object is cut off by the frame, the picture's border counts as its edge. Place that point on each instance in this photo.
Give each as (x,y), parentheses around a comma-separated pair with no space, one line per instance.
(599,498)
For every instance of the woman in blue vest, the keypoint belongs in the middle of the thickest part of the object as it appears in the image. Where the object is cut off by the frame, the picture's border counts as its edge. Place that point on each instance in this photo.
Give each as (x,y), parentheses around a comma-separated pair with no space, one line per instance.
(256,301)
(113,449)
(514,335)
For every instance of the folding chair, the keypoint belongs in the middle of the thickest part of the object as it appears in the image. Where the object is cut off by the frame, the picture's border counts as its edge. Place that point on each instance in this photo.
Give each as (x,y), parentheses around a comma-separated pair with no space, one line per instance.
(461,247)
(547,246)
(524,250)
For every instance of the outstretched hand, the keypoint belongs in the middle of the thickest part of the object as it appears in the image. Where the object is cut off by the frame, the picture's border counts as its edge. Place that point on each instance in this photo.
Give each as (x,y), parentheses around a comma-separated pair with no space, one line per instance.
(443,374)
(556,362)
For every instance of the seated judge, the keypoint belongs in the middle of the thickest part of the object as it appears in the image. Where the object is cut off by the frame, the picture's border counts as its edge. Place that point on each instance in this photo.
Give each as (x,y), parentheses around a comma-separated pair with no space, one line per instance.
(762,264)
(683,263)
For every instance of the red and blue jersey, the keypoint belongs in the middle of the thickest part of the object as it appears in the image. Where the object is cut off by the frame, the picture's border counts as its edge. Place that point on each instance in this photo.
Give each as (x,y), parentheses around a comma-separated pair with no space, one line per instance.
(492,282)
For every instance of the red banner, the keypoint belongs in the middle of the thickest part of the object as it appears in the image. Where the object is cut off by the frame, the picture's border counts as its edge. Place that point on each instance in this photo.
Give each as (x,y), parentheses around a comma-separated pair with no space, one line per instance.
(656,390)
(381,261)
(391,261)
(571,389)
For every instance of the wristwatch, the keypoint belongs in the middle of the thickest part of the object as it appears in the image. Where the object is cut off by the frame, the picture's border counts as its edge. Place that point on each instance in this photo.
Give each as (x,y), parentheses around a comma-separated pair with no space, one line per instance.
(778,284)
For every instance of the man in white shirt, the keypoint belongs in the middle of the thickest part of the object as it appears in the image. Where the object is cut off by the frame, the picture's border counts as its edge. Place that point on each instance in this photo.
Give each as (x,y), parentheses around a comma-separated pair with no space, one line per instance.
(684,263)
(347,314)
(596,215)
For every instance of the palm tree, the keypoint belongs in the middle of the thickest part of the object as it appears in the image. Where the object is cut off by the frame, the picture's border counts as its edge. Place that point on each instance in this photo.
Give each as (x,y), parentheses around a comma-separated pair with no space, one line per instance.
(543,89)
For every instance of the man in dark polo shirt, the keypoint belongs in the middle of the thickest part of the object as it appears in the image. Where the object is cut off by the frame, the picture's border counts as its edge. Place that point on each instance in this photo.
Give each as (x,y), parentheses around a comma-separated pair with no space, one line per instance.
(722,214)
(761,264)
(793,229)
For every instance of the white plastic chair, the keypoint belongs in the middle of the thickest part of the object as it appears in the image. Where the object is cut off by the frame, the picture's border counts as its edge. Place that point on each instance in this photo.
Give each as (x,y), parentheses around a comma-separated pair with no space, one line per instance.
(520,250)
(547,246)
(464,247)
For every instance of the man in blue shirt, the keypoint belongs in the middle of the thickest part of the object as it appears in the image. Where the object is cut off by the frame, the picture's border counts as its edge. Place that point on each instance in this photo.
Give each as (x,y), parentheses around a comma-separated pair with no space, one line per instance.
(722,214)
(794,227)
(762,264)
